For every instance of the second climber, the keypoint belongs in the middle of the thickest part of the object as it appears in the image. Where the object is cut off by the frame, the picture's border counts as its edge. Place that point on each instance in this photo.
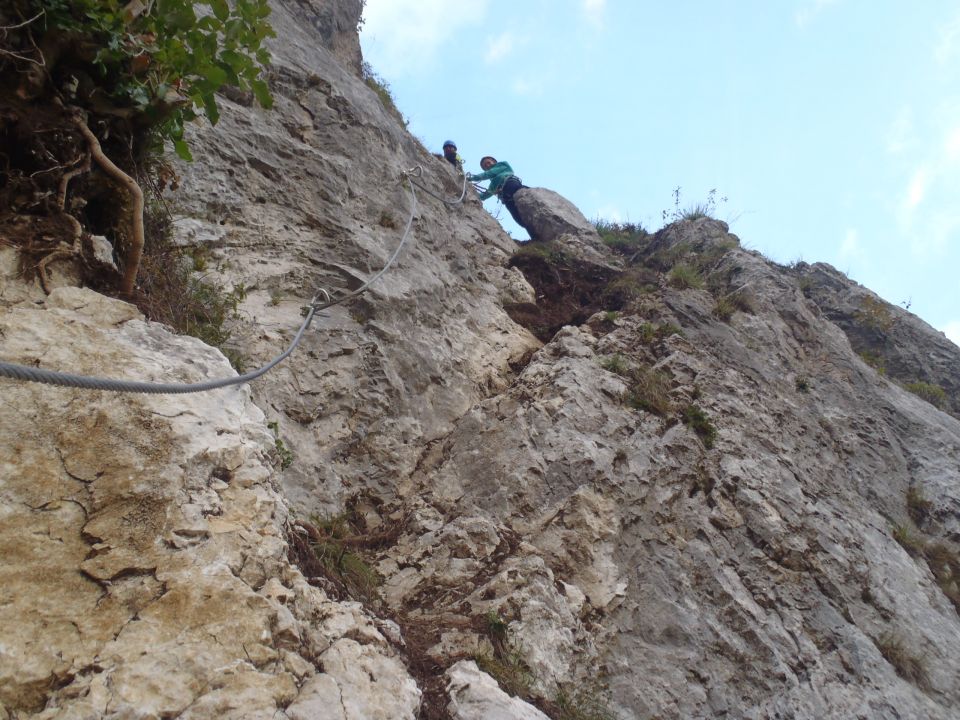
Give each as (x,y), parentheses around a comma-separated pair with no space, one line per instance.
(503,182)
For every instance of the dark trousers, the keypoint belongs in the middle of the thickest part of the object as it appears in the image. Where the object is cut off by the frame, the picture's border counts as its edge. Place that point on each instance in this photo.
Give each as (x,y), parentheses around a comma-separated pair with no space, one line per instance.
(506,196)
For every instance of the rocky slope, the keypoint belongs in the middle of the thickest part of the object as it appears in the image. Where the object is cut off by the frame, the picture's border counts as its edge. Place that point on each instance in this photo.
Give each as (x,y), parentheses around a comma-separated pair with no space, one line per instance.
(686,502)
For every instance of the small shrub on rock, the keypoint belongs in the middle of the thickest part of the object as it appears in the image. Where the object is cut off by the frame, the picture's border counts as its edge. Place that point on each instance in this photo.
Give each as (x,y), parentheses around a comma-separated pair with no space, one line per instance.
(683,276)
(908,666)
(650,391)
(933,394)
(696,419)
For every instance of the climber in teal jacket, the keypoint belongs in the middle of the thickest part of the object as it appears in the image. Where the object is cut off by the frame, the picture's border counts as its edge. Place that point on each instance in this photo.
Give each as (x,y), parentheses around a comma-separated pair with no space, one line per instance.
(502,182)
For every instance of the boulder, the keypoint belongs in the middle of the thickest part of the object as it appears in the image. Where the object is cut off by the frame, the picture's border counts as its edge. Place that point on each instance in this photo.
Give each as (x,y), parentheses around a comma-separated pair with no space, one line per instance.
(551,218)
(474,695)
(548,215)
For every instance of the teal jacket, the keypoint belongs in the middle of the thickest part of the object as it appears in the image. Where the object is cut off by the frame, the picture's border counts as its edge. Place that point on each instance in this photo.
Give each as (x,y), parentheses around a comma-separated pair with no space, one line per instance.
(497,175)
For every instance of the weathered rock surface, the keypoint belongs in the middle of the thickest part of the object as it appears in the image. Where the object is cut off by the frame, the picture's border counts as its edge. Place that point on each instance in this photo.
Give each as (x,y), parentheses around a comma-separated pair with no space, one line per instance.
(904,346)
(145,570)
(541,515)
(309,196)
(474,695)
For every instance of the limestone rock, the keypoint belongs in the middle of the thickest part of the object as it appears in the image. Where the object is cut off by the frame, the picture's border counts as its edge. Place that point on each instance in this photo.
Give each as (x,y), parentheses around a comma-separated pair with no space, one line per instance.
(906,347)
(117,595)
(550,217)
(689,517)
(474,695)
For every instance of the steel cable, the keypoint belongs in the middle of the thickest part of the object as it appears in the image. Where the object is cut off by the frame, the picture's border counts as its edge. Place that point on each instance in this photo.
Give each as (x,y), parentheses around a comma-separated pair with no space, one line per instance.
(87,382)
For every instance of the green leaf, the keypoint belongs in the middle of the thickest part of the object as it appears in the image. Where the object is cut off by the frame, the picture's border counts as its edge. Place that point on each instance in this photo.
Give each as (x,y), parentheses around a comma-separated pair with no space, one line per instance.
(215,76)
(262,92)
(210,107)
(220,9)
(182,150)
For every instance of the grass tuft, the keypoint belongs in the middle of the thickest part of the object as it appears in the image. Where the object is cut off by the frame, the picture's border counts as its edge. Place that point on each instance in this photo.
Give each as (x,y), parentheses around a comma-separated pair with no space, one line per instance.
(615,364)
(908,666)
(918,506)
(683,276)
(650,391)
(696,419)
(933,394)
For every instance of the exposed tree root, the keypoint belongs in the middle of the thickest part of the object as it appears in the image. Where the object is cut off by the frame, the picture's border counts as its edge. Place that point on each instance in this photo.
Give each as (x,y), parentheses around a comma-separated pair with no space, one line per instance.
(131,264)
(63,251)
(67,177)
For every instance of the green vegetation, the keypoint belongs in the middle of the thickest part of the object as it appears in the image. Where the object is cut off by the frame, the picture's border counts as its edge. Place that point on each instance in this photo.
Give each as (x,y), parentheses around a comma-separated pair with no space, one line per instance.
(918,507)
(696,419)
(707,208)
(933,394)
(610,316)
(105,85)
(650,391)
(382,88)
(162,61)
(173,294)
(723,309)
(580,705)
(944,563)
(648,332)
(334,541)
(615,363)
(874,314)
(505,664)
(509,669)
(283,452)
(874,360)
(802,384)
(683,276)
(629,285)
(908,666)
(625,238)
(910,542)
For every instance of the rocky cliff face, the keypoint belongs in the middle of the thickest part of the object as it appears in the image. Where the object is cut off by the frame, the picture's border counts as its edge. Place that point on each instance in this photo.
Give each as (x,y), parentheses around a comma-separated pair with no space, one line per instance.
(693,499)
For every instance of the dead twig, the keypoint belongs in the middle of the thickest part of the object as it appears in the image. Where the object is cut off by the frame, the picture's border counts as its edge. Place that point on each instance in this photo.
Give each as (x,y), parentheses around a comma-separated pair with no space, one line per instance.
(17,56)
(24,23)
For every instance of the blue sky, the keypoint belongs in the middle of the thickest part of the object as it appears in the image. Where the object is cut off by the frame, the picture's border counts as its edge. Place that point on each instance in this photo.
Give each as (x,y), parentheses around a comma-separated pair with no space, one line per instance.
(831,127)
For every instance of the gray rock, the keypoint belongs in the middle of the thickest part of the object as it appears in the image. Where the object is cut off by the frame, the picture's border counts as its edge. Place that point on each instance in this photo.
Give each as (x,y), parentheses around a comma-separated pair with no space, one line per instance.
(551,218)
(474,695)
(667,571)
(549,215)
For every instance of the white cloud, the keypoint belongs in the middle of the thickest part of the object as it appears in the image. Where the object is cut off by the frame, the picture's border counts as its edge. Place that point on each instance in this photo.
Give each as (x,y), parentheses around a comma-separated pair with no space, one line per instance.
(850,247)
(499,48)
(927,212)
(916,189)
(947,44)
(594,9)
(809,10)
(952,331)
(402,36)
